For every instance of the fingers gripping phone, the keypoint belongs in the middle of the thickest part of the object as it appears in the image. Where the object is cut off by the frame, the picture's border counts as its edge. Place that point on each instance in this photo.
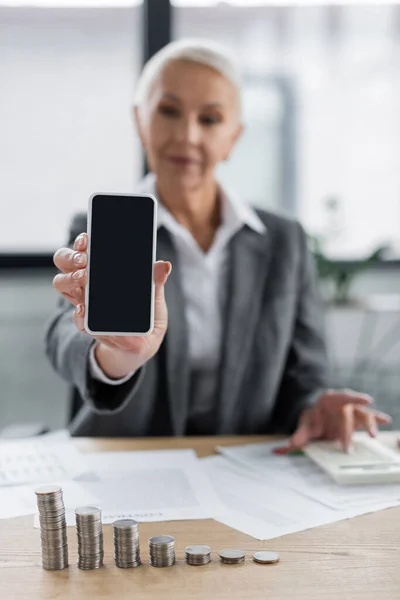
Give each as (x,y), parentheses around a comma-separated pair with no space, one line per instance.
(122,234)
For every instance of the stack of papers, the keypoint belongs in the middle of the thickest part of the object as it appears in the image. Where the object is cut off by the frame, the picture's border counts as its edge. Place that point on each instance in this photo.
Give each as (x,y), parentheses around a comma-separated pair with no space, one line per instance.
(266,495)
(300,473)
(146,486)
(246,487)
(265,511)
(155,485)
(20,500)
(37,460)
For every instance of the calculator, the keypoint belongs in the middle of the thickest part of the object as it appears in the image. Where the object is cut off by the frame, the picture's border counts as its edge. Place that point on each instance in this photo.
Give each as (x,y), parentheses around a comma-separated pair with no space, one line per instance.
(370,462)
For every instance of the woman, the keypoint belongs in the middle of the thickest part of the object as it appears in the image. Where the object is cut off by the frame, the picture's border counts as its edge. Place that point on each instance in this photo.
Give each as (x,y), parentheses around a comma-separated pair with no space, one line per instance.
(243,351)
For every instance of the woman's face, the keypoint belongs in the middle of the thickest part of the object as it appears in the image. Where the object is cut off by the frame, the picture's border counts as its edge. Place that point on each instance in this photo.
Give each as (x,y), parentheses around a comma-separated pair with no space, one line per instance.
(189,124)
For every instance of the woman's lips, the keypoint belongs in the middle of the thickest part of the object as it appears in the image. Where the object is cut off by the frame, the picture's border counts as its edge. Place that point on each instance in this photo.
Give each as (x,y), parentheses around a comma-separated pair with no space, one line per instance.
(182,161)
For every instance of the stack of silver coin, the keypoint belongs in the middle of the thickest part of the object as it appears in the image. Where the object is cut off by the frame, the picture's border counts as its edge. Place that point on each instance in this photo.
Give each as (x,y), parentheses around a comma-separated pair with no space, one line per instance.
(162,551)
(266,558)
(197,555)
(126,543)
(53,527)
(90,537)
(230,556)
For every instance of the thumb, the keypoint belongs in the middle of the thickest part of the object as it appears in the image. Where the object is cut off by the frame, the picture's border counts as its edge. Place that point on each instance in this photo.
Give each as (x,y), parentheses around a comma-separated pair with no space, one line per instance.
(162,269)
(301,436)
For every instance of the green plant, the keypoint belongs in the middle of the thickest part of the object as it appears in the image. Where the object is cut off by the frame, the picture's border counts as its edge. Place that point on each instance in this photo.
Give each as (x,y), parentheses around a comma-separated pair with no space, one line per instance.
(339,273)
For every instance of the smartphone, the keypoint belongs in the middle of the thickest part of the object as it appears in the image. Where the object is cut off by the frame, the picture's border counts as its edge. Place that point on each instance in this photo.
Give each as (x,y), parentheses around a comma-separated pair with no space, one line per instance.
(122,234)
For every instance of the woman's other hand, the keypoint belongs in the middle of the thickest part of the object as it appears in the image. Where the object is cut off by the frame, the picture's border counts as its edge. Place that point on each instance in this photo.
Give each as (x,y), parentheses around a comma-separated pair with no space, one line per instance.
(335,416)
(117,355)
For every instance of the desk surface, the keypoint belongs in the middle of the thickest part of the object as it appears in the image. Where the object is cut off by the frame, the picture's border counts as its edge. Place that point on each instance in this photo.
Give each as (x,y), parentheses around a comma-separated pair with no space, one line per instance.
(349,560)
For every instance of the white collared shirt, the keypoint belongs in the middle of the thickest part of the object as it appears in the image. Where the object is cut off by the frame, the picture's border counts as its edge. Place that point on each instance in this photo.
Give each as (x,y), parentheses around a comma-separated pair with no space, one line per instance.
(204,282)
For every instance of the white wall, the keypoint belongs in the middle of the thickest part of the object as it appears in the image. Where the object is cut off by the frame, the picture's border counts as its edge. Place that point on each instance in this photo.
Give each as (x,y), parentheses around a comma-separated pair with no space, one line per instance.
(66,86)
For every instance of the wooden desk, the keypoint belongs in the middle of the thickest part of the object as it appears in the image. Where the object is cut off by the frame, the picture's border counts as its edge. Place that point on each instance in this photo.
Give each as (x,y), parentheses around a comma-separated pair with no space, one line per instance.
(349,560)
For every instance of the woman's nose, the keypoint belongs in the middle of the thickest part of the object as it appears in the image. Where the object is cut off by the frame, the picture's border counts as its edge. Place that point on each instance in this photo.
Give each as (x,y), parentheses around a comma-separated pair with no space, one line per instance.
(188,130)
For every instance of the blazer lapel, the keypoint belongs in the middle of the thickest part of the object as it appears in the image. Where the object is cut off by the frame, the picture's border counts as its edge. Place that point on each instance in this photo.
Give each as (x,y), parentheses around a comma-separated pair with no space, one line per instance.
(249,262)
(176,339)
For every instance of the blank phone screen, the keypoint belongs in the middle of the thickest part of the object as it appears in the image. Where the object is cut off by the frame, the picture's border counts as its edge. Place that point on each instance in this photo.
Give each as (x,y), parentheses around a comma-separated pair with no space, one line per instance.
(120,264)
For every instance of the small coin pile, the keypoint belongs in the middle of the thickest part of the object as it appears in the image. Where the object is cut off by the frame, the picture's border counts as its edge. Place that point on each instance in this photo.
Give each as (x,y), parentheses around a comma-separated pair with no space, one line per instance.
(126,543)
(90,537)
(197,555)
(53,527)
(230,556)
(266,558)
(162,551)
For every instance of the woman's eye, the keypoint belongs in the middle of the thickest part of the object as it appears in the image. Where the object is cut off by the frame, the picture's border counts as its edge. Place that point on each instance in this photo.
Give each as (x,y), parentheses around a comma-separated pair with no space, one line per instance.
(168,111)
(209,119)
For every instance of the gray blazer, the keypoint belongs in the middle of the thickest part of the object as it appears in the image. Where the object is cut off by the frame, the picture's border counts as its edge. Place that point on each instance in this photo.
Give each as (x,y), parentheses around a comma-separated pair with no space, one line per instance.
(273,357)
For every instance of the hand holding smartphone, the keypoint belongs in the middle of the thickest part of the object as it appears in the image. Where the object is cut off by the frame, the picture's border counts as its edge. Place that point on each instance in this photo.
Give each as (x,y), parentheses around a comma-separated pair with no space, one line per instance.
(122,303)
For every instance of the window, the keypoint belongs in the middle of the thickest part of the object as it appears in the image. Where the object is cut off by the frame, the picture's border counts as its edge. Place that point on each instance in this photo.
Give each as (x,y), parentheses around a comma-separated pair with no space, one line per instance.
(256,171)
(342,64)
(67,77)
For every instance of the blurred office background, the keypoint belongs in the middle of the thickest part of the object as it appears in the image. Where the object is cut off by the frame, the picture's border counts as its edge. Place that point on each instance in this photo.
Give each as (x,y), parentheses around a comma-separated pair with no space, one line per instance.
(322,143)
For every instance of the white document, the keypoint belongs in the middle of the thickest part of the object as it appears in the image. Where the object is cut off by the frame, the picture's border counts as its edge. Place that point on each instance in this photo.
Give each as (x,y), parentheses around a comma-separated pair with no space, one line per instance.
(264,509)
(303,475)
(19,500)
(58,435)
(37,460)
(148,486)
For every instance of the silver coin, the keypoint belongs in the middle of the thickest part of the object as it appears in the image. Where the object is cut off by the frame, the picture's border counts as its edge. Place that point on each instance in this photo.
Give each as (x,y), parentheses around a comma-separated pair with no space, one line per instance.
(232,554)
(49,528)
(52,533)
(51,514)
(161,539)
(89,567)
(45,497)
(48,489)
(162,564)
(198,550)
(52,565)
(50,510)
(125,523)
(197,561)
(87,511)
(53,542)
(266,558)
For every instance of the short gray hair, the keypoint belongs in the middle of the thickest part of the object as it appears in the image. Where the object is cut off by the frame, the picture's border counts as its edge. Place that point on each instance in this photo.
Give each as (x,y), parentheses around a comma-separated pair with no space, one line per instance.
(203,52)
